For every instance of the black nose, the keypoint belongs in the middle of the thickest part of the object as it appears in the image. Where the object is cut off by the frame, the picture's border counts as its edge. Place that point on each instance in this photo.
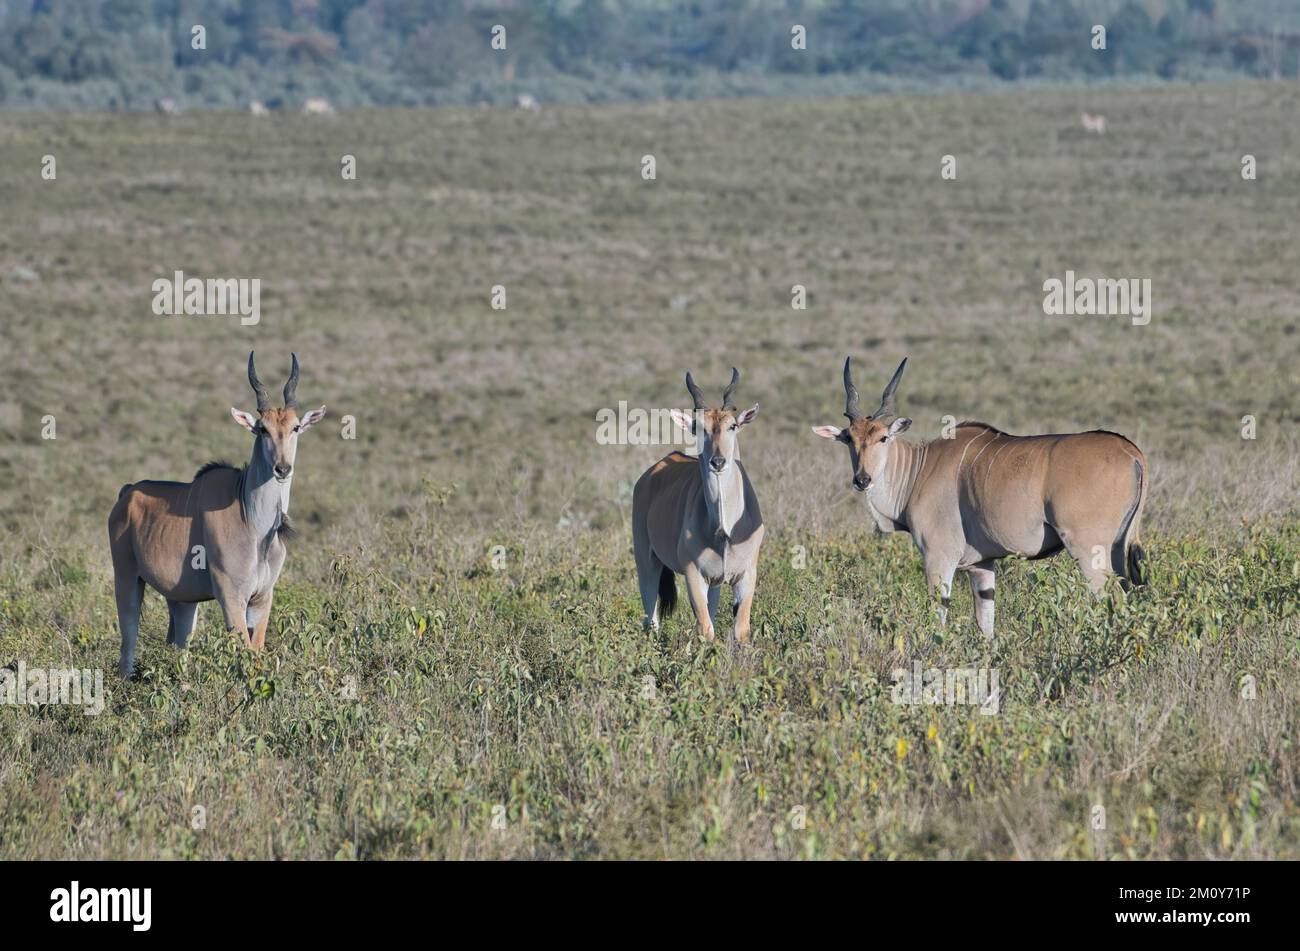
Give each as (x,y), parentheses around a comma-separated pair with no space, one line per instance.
(861,481)
(717,463)
(282,471)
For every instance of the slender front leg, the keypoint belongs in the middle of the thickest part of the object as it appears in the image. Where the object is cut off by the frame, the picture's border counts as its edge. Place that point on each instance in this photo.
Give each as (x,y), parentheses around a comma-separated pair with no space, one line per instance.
(981,589)
(182,622)
(259,613)
(744,598)
(938,576)
(697,588)
(234,605)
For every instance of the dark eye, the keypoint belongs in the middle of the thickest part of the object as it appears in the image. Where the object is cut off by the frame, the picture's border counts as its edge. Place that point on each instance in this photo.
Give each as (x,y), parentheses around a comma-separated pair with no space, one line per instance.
(298,427)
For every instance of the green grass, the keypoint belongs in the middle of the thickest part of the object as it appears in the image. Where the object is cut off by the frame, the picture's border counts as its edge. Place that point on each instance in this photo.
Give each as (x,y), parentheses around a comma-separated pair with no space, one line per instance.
(526,691)
(521,693)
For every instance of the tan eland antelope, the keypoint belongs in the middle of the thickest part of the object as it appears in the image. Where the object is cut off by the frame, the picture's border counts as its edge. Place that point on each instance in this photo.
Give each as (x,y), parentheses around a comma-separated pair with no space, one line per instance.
(219,537)
(698,516)
(984,494)
(1093,123)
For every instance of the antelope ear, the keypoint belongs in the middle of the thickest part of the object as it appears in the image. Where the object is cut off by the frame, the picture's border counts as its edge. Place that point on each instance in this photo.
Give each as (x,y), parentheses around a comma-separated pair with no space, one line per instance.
(899,426)
(748,415)
(247,420)
(828,432)
(684,420)
(315,416)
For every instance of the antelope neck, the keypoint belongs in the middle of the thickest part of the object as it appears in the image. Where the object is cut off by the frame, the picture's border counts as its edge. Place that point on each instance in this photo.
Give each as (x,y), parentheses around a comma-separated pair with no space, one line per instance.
(724,496)
(264,498)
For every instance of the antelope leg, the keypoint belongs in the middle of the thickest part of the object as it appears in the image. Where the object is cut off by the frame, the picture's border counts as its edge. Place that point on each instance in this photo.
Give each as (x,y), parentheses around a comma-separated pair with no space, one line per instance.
(234,605)
(130,598)
(182,622)
(938,575)
(259,613)
(697,588)
(744,596)
(981,588)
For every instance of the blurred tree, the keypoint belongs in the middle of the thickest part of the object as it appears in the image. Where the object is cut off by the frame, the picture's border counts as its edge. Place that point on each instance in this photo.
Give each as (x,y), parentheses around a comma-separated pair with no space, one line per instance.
(124,16)
(1133,45)
(412,51)
(1053,27)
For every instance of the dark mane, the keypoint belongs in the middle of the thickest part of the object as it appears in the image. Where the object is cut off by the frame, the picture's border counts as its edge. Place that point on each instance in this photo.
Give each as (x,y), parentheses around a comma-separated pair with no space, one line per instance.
(1111,432)
(978,424)
(208,467)
(993,429)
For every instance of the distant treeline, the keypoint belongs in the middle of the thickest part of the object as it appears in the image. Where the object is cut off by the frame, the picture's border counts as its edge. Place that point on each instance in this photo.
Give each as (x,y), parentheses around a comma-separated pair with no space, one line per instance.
(129,53)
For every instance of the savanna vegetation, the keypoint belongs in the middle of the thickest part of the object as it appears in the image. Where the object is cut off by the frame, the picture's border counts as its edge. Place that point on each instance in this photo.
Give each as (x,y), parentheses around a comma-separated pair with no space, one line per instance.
(456,666)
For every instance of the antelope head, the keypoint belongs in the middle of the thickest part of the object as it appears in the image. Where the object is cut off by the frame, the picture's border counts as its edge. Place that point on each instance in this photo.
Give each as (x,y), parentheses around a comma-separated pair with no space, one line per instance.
(715,430)
(277,430)
(867,437)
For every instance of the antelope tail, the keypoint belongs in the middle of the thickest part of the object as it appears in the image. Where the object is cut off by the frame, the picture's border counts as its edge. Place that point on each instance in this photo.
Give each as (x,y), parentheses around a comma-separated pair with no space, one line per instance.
(667,593)
(1136,555)
(1133,554)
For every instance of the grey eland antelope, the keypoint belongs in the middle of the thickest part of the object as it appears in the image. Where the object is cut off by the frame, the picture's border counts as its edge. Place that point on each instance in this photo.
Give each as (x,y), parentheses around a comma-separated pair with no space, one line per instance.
(219,537)
(984,494)
(698,516)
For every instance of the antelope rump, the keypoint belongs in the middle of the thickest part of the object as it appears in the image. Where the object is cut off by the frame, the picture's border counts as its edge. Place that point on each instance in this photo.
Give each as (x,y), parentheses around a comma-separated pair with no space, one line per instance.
(984,494)
(219,537)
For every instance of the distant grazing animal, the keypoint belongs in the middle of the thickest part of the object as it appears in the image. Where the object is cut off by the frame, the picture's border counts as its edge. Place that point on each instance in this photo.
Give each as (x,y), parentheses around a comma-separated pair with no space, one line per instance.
(527,103)
(257,108)
(317,106)
(219,537)
(699,517)
(983,494)
(166,107)
(1093,123)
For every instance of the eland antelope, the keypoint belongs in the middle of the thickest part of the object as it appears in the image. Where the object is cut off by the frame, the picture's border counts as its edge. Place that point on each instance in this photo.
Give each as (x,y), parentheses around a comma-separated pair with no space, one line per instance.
(698,516)
(1093,123)
(984,494)
(219,537)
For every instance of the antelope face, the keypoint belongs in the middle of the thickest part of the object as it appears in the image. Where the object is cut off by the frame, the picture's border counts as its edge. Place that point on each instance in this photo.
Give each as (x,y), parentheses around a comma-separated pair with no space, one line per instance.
(715,430)
(717,434)
(277,430)
(277,433)
(866,436)
(869,442)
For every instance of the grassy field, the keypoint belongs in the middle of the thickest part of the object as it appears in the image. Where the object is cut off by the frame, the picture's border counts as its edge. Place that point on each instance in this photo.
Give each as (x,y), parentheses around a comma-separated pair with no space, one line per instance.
(455,666)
